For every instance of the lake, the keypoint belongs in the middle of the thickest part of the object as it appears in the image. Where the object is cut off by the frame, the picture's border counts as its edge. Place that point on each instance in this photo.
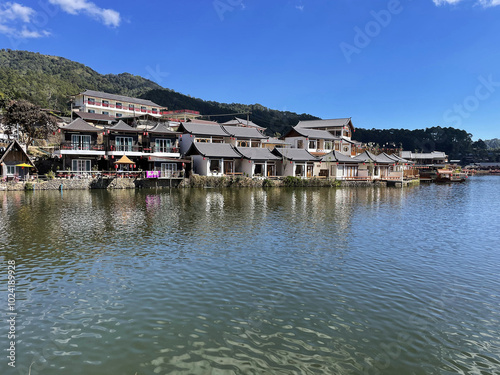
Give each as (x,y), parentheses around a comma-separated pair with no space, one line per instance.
(254,281)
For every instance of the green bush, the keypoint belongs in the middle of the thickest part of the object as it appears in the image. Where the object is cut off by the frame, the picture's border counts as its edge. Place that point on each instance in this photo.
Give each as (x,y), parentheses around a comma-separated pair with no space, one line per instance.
(50,175)
(29,186)
(267,183)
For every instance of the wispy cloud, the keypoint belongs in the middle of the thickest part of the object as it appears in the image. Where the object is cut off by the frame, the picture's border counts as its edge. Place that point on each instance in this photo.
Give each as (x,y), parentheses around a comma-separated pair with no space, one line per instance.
(11,14)
(109,17)
(483,3)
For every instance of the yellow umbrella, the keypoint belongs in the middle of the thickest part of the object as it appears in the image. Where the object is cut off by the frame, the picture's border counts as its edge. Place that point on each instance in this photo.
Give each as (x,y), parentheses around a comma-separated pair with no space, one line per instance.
(24,165)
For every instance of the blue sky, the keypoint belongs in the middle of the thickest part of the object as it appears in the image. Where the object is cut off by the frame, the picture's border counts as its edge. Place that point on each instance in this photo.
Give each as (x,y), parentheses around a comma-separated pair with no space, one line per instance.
(387,64)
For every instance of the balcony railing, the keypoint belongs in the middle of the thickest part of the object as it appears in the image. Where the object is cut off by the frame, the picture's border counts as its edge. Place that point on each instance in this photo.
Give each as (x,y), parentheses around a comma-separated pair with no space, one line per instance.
(154,149)
(94,146)
(125,148)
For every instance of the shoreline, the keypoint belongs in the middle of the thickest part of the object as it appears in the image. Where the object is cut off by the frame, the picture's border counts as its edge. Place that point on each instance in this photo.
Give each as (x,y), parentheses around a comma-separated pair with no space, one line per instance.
(194,181)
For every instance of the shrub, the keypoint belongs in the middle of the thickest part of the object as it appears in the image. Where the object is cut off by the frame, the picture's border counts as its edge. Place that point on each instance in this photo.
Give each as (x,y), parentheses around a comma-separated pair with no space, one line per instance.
(29,186)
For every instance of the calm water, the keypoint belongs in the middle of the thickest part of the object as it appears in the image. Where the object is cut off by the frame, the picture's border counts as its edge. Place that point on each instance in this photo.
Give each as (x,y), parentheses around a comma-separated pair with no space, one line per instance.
(251,281)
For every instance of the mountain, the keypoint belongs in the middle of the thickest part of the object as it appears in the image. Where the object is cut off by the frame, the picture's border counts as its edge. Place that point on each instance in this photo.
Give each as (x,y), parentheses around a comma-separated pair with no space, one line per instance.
(493,143)
(49,81)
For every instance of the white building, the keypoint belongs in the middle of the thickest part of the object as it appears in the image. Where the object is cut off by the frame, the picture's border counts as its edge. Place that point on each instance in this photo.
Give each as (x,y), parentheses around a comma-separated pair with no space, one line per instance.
(99,102)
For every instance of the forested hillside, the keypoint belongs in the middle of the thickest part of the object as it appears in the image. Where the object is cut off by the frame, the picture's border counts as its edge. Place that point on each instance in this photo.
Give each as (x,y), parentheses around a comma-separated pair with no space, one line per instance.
(49,81)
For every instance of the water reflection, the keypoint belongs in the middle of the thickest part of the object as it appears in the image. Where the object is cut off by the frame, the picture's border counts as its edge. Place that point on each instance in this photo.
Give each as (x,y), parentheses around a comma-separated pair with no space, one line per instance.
(291,281)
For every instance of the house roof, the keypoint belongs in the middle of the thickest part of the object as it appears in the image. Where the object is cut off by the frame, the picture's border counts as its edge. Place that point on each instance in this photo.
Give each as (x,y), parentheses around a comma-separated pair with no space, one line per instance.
(337,156)
(122,127)
(80,125)
(213,150)
(242,132)
(324,123)
(276,141)
(242,122)
(367,156)
(95,116)
(14,145)
(312,133)
(396,158)
(257,153)
(423,155)
(121,98)
(294,154)
(162,128)
(202,129)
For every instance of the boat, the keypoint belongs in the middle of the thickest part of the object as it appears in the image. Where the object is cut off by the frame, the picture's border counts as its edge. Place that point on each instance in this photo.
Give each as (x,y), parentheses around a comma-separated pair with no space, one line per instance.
(448,175)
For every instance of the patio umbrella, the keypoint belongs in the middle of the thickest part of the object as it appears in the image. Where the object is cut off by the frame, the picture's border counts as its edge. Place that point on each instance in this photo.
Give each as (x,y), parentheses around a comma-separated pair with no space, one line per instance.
(24,165)
(124,160)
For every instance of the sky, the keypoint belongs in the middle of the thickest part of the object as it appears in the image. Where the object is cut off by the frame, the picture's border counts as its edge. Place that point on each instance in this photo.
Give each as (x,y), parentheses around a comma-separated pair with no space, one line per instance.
(386,64)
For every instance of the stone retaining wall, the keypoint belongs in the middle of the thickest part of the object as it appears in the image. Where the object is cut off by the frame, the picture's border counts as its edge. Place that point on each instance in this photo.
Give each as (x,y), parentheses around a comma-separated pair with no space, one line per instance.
(194,181)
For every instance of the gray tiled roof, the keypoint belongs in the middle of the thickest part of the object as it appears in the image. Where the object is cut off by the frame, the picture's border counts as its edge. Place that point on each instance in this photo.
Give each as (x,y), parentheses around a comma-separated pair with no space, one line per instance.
(242,132)
(276,141)
(423,155)
(240,121)
(294,154)
(80,125)
(120,98)
(162,128)
(257,153)
(336,156)
(314,134)
(122,127)
(202,129)
(323,123)
(367,156)
(213,150)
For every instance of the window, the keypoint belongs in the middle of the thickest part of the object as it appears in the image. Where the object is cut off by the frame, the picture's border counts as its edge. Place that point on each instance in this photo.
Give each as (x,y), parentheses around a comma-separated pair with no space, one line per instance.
(259,169)
(105,103)
(155,110)
(105,113)
(11,170)
(91,101)
(203,140)
(300,143)
(119,105)
(215,166)
(131,107)
(80,142)
(243,144)
(346,148)
(119,115)
(328,145)
(168,169)
(143,109)
(163,145)
(124,143)
(81,165)
(91,110)
(312,144)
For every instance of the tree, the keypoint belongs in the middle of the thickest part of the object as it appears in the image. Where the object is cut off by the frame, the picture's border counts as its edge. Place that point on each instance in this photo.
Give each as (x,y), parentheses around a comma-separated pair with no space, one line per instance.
(30,120)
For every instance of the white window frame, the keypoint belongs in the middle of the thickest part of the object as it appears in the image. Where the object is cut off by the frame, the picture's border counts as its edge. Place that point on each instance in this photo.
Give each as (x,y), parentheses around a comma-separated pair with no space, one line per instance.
(81,165)
(80,142)
(124,143)
(11,170)
(163,145)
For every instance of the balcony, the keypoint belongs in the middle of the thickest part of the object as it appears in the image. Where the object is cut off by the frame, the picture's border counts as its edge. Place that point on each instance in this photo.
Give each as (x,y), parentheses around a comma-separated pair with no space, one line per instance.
(161,150)
(70,148)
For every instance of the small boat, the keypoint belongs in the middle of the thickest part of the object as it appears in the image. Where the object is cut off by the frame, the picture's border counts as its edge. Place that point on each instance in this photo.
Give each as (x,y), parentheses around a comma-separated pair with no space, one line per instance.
(447,175)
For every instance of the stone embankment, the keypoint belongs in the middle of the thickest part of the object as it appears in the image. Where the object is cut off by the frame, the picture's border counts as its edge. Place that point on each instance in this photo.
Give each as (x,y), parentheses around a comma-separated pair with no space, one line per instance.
(194,181)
